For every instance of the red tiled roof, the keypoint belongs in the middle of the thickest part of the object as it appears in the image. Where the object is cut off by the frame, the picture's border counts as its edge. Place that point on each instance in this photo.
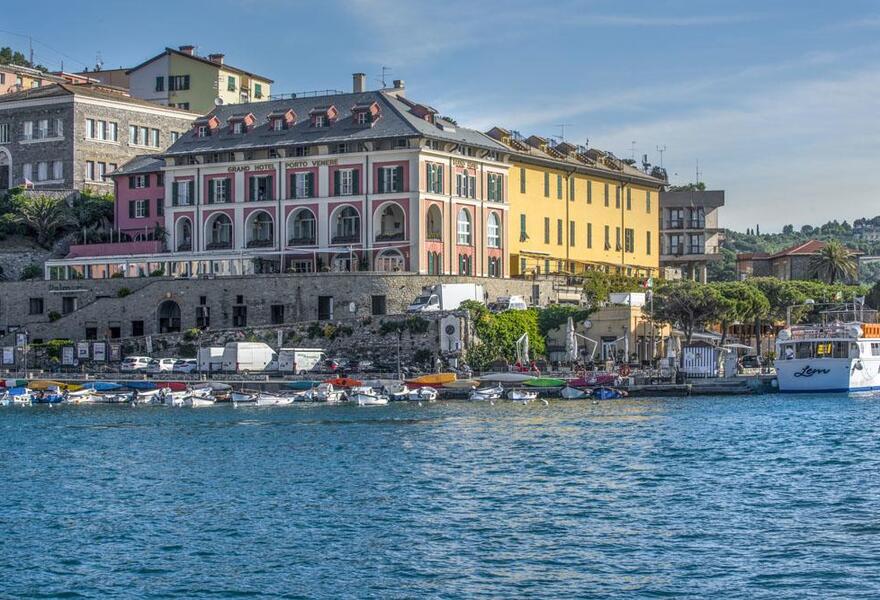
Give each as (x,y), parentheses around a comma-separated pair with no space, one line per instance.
(806,248)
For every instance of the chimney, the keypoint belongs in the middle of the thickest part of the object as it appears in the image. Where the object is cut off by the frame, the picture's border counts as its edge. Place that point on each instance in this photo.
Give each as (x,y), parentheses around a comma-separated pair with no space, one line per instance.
(399,84)
(190,50)
(216,58)
(359,82)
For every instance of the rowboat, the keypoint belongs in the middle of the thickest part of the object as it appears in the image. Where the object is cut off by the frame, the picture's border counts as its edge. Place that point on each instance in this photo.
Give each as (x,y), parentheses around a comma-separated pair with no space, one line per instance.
(243,397)
(572,393)
(325,392)
(269,399)
(47,384)
(506,377)
(141,385)
(432,379)
(304,384)
(84,396)
(522,395)
(423,394)
(461,384)
(484,394)
(545,382)
(607,393)
(102,386)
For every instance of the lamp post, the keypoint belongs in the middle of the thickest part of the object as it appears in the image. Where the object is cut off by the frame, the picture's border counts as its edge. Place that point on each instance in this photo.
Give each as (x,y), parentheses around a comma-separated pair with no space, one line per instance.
(807,302)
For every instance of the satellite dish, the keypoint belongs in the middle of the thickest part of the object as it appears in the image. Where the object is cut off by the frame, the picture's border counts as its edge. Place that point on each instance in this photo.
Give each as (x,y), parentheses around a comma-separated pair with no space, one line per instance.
(218,101)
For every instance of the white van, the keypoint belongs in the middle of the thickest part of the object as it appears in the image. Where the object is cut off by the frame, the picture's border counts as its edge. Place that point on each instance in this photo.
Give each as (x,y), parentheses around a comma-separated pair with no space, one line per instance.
(135,363)
(508,303)
(299,360)
(240,357)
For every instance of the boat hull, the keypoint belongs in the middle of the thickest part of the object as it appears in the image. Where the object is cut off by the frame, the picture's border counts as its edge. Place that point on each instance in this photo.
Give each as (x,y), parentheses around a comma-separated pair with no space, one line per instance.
(811,375)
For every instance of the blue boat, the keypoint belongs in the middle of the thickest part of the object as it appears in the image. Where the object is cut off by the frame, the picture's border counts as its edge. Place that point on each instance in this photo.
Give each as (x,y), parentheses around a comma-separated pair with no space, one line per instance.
(102,386)
(39,398)
(140,385)
(607,393)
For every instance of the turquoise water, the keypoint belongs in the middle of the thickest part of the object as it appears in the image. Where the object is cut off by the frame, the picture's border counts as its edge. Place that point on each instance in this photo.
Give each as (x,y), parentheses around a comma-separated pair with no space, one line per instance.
(699,498)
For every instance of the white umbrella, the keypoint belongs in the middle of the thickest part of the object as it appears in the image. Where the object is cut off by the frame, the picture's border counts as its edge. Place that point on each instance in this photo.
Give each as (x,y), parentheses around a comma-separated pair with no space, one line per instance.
(571,345)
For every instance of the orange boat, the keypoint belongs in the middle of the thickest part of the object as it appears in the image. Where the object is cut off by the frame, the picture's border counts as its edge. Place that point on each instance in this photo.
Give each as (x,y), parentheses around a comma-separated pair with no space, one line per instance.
(344,382)
(433,379)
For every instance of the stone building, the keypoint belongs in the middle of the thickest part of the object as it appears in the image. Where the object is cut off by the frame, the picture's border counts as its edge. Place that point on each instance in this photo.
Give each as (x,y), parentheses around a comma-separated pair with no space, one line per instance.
(69,136)
(792,263)
(130,307)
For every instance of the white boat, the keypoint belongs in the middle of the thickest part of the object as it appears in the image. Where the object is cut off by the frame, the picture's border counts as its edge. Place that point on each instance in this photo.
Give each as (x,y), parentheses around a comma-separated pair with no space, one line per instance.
(835,357)
(148,397)
(506,377)
(572,393)
(325,392)
(486,394)
(522,395)
(199,401)
(84,396)
(423,394)
(269,399)
(243,397)
(17,396)
(367,396)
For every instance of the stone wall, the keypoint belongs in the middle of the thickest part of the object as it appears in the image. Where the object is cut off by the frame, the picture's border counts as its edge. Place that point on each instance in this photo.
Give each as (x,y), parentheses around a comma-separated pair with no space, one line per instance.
(14,259)
(118,307)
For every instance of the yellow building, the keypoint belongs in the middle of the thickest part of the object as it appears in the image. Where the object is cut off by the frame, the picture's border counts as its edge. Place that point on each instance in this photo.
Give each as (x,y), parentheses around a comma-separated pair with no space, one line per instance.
(573,210)
(183,79)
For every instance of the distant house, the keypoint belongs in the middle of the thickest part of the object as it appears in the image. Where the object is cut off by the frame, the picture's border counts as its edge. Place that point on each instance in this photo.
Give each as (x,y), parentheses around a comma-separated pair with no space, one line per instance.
(790,264)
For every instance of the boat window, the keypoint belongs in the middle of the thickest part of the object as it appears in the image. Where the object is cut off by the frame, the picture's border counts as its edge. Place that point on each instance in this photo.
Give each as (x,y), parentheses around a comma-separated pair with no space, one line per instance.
(875,348)
(820,350)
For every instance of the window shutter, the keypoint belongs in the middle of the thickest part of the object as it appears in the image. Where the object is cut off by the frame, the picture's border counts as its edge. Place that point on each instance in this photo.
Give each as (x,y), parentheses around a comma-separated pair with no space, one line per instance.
(146,208)
(336,189)
(429,172)
(310,185)
(291,189)
(440,177)
(211,190)
(473,187)
(381,183)
(252,189)
(355,181)
(398,187)
(174,191)
(131,209)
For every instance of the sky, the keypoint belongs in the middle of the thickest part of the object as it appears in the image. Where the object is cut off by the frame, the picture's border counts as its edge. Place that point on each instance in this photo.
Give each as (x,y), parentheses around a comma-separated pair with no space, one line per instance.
(774,102)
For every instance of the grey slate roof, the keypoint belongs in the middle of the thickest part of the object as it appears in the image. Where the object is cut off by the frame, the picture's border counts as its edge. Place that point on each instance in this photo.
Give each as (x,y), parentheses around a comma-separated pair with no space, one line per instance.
(395,121)
(87,90)
(142,163)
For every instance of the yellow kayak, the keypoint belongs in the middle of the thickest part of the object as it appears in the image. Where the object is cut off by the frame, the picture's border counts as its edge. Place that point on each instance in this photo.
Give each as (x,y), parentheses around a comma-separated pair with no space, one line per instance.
(45,384)
(462,384)
(432,379)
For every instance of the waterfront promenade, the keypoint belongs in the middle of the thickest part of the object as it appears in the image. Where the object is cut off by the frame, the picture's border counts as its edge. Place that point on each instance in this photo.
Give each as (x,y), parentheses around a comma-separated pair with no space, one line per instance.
(754,497)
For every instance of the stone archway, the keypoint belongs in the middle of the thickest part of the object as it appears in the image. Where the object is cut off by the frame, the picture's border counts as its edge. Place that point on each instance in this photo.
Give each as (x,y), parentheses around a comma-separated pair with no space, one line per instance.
(169,317)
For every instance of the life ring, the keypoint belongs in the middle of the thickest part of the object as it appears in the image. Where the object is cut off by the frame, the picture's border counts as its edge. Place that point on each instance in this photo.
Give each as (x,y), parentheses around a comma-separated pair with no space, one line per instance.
(624,371)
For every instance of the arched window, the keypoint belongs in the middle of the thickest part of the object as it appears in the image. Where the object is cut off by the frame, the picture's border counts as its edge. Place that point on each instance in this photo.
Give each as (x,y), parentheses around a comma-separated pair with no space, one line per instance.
(347,226)
(390,224)
(493,231)
(434,229)
(219,232)
(260,230)
(389,260)
(183,235)
(301,231)
(464,227)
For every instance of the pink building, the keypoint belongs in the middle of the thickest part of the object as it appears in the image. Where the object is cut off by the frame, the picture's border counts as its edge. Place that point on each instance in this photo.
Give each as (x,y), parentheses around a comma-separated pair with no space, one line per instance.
(140,197)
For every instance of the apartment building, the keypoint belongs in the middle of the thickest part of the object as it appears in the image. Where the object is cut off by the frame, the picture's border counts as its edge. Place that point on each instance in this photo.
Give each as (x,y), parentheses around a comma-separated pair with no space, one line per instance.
(183,79)
(573,209)
(66,136)
(368,180)
(690,231)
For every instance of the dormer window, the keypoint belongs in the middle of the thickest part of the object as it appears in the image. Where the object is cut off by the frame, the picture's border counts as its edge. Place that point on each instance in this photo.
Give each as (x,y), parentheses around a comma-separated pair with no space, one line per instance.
(362,118)
(365,113)
(236,127)
(280,120)
(277,124)
(241,123)
(323,116)
(320,121)
(206,125)
(202,131)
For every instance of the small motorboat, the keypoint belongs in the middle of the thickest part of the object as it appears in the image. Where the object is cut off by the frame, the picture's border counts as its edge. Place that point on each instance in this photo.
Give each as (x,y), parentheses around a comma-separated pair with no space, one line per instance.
(16,396)
(84,396)
(199,400)
(302,385)
(608,393)
(367,396)
(149,397)
(270,399)
(397,392)
(243,397)
(522,395)
(423,394)
(325,392)
(573,393)
(49,395)
(486,394)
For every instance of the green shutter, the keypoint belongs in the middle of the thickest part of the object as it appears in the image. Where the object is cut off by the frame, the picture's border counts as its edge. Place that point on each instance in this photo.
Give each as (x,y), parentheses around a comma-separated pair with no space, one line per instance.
(336,183)
(381,183)
(355,181)
(131,182)
(174,192)
(429,172)
(211,191)
(252,184)
(131,209)
(442,185)
(146,208)
(399,186)
(310,185)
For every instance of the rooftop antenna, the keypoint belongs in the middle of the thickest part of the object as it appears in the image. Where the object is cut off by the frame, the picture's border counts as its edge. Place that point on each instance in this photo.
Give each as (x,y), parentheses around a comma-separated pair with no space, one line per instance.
(632,150)
(661,150)
(699,174)
(99,62)
(385,71)
(562,127)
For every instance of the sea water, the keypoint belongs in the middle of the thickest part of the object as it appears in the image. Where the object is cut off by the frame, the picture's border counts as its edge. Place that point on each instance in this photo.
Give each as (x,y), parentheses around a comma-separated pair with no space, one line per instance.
(703,497)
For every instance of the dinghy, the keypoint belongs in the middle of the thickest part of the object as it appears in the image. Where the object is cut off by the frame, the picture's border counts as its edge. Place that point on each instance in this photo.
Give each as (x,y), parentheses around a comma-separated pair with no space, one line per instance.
(270,399)
(572,393)
(367,396)
(522,395)
(423,394)
(607,393)
(545,382)
(506,377)
(486,394)
(432,379)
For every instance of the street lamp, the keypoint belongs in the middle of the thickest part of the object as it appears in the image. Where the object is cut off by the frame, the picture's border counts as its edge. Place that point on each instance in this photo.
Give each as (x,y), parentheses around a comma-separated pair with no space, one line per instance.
(807,302)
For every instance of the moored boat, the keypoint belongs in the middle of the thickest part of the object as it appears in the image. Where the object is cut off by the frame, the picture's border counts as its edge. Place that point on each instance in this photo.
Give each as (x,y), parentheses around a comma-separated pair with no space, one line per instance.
(573,393)
(16,396)
(423,394)
(432,379)
(367,396)
(522,395)
(545,382)
(507,377)
(608,393)
(486,394)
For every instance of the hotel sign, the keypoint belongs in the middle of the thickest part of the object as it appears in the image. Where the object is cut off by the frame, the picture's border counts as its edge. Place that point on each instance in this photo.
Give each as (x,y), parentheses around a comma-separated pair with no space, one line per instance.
(467,164)
(265,167)
(299,164)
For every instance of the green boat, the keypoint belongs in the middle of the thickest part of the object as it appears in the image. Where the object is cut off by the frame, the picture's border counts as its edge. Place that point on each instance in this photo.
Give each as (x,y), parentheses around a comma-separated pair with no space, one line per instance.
(545,382)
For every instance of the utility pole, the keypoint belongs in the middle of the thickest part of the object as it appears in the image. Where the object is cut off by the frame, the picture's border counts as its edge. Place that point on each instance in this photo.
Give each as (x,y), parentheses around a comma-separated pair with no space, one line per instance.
(661,150)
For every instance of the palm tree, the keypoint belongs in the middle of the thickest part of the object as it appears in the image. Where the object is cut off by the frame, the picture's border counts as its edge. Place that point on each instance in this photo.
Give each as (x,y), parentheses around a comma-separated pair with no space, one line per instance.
(834,262)
(44,215)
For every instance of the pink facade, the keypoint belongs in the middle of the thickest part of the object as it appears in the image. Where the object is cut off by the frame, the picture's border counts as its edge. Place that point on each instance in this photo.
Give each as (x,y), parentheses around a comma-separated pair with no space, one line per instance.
(140,203)
(404,166)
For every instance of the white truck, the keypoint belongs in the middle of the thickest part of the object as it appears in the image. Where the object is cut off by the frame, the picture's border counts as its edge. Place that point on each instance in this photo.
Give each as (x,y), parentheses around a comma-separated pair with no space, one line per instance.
(446,296)
(211,359)
(299,360)
(241,357)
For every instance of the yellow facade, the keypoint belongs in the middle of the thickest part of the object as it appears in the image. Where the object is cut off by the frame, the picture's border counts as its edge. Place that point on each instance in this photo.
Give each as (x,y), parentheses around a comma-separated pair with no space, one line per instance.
(209,81)
(566,220)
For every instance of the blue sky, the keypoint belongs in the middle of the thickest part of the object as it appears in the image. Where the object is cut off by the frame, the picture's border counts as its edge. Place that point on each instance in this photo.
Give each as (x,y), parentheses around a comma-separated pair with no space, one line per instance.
(776,100)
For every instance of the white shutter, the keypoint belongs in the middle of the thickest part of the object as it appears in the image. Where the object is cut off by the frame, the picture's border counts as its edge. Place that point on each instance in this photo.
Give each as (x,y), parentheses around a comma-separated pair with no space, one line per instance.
(57,170)
(28,130)
(27,171)
(42,171)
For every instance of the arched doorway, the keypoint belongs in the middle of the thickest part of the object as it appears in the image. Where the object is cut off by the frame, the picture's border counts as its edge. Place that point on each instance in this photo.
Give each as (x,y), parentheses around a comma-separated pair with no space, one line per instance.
(389,223)
(169,317)
(218,232)
(389,260)
(345,226)
(183,235)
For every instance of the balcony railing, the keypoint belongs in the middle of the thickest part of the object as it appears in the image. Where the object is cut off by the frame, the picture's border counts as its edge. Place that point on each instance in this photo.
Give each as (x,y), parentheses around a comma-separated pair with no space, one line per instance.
(390,237)
(185,246)
(434,236)
(181,202)
(675,224)
(259,243)
(301,241)
(347,238)
(696,224)
(219,246)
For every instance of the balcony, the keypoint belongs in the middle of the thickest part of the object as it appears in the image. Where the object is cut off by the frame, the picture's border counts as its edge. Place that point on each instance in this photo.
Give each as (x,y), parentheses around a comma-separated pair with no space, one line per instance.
(675,224)
(302,241)
(185,246)
(697,224)
(434,236)
(181,202)
(259,243)
(348,238)
(391,237)
(222,245)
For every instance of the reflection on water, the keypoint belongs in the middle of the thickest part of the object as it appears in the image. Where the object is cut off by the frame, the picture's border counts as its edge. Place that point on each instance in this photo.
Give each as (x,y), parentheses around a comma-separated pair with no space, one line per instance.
(698,497)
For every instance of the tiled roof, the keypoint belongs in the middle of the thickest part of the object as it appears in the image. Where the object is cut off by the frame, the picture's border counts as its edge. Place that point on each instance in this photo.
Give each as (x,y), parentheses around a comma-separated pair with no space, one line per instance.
(143,163)
(806,248)
(87,90)
(395,121)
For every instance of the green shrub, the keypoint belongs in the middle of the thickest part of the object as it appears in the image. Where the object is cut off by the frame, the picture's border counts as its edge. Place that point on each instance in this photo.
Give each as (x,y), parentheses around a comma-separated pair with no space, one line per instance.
(123,292)
(187,350)
(314,330)
(54,315)
(192,334)
(117,275)
(31,272)
(158,273)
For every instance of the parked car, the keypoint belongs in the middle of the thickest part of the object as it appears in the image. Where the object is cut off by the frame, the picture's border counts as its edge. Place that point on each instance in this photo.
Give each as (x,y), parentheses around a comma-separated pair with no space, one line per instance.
(186,365)
(331,365)
(135,363)
(751,361)
(364,366)
(161,365)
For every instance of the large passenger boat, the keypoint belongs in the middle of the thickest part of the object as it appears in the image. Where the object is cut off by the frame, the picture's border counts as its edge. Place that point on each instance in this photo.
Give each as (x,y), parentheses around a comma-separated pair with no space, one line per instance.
(835,356)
